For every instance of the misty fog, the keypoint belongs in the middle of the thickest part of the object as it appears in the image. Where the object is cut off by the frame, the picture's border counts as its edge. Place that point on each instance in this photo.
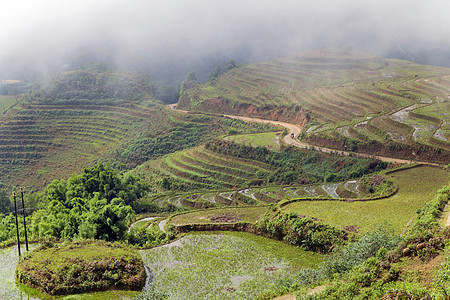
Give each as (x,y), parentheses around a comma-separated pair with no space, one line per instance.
(169,38)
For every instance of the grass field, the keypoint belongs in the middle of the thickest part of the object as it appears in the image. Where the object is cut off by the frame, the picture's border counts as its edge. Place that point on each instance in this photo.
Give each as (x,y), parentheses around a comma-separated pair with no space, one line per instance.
(6,102)
(271,140)
(223,265)
(416,187)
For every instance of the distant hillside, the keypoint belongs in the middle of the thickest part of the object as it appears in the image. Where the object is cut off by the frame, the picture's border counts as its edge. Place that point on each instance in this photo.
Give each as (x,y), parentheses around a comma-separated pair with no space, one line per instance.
(83,116)
(345,101)
(91,85)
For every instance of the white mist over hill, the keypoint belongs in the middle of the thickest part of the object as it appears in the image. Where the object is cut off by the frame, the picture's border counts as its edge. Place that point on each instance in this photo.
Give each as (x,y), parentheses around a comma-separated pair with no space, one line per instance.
(169,37)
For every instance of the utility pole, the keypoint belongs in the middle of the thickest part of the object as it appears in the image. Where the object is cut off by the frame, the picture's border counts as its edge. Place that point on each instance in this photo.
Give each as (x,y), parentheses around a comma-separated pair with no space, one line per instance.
(24,220)
(17,223)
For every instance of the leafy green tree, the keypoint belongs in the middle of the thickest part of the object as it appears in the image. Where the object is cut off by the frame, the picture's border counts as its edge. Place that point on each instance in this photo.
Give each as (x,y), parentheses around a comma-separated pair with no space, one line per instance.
(111,220)
(221,69)
(165,93)
(93,204)
(191,76)
(5,203)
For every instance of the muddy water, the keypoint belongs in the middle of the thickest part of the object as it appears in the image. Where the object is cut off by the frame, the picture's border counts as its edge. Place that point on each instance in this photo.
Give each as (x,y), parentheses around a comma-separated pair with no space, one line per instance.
(222,266)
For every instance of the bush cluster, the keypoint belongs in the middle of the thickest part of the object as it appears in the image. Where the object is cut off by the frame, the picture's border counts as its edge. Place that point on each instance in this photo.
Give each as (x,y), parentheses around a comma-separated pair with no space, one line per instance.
(305,232)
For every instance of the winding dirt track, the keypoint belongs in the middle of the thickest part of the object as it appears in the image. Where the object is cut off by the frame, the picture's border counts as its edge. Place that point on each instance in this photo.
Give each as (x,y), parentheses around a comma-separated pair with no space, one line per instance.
(292,128)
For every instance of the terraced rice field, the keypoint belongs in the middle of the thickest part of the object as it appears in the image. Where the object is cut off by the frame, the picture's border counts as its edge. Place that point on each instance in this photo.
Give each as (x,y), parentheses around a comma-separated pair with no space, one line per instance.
(57,140)
(347,96)
(396,211)
(261,196)
(416,187)
(422,120)
(223,265)
(200,168)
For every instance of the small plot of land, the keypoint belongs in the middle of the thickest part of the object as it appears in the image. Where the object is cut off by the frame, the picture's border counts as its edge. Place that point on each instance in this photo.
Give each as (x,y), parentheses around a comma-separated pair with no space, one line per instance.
(228,265)
(83,266)
(270,140)
(416,187)
(222,215)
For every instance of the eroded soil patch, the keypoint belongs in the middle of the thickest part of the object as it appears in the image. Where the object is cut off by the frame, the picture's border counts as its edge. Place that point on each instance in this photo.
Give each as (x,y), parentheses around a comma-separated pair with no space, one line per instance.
(224,218)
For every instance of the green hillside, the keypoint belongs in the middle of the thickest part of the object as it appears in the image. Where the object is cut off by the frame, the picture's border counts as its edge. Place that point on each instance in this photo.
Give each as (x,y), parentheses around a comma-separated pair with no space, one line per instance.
(222,164)
(84,116)
(344,100)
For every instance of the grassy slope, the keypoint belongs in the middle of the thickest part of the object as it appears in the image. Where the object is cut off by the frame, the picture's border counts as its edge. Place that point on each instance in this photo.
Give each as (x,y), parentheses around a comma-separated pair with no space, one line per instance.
(45,142)
(416,187)
(42,143)
(6,101)
(199,168)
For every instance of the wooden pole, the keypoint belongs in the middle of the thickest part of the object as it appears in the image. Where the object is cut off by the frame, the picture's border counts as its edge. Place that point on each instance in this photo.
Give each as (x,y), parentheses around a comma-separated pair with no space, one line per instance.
(24,220)
(17,224)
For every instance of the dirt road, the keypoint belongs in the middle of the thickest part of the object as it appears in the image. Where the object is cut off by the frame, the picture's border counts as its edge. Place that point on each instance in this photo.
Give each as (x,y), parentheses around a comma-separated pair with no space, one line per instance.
(292,128)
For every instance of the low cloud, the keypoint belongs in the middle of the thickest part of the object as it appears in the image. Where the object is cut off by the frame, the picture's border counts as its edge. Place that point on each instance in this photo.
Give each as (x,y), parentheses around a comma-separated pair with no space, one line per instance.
(50,34)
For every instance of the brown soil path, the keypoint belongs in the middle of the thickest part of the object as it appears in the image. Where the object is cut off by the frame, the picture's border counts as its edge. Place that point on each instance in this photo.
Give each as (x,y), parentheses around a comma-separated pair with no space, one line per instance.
(446,215)
(316,290)
(296,129)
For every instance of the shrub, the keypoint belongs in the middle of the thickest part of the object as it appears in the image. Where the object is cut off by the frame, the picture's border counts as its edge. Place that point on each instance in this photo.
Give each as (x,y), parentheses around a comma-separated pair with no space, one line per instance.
(357,252)
(428,216)
(301,231)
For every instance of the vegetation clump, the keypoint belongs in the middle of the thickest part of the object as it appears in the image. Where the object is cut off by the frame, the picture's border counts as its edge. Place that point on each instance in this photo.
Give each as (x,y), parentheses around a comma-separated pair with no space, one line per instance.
(301,231)
(80,267)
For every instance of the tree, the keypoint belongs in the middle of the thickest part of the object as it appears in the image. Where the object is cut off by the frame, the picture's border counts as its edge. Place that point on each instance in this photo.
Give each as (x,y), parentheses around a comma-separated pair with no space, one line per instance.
(93,204)
(191,76)
(221,69)
(5,203)
(166,93)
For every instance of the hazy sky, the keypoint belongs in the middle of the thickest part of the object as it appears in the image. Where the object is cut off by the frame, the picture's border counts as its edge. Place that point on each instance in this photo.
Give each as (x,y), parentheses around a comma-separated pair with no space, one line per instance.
(54,33)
